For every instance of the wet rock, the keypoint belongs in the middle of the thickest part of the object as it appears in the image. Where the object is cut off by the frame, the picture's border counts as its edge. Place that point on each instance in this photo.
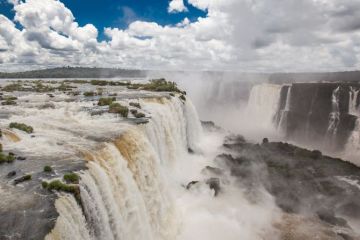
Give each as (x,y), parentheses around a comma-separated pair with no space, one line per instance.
(328,216)
(210,126)
(208,170)
(20,158)
(22,179)
(190,150)
(214,183)
(191,184)
(11,174)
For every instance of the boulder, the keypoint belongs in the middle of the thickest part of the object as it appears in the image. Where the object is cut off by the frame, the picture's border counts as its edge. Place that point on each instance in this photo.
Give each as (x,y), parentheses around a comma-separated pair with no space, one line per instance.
(11,174)
(214,183)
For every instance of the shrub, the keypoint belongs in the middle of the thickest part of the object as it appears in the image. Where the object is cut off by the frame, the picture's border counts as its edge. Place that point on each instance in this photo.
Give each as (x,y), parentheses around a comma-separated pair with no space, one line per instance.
(22,127)
(39,87)
(134,104)
(44,184)
(13,87)
(60,186)
(8,102)
(118,108)
(57,185)
(48,169)
(99,82)
(106,101)
(89,94)
(265,141)
(6,158)
(71,178)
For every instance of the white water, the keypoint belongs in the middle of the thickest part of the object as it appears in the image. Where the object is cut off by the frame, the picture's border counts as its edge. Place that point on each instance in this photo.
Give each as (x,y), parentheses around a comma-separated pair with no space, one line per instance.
(353,96)
(352,147)
(263,103)
(133,188)
(284,113)
(334,119)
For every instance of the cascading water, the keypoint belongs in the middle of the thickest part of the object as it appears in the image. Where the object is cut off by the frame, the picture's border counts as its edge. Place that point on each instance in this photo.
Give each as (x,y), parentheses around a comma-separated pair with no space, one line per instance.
(124,193)
(284,112)
(353,96)
(263,103)
(334,118)
(352,147)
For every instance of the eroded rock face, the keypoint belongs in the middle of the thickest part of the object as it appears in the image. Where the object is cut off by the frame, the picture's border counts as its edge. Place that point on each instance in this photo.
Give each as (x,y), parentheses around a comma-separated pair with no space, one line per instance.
(309,111)
(305,185)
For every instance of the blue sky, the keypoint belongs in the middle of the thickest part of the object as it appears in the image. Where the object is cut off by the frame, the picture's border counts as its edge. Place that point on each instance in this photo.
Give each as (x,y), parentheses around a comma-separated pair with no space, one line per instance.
(119,13)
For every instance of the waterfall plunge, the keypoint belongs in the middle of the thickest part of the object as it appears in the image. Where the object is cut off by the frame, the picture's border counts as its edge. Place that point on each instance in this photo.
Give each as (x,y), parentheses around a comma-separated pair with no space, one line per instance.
(124,191)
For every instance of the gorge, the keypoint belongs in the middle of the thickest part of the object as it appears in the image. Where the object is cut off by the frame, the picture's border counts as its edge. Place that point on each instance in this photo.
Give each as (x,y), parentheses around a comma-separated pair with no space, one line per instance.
(164,174)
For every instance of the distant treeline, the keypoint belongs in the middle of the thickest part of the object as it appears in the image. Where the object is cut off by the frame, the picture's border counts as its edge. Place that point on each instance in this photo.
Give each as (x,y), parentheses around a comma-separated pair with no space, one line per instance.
(76,72)
(353,76)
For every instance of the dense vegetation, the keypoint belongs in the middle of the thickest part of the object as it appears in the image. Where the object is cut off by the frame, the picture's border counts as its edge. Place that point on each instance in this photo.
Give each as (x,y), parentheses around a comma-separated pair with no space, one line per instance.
(106,101)
(22,127)
(76,72)
(119,109)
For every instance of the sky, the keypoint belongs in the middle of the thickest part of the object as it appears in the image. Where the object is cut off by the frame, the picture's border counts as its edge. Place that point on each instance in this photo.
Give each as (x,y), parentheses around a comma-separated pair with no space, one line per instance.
(229,35)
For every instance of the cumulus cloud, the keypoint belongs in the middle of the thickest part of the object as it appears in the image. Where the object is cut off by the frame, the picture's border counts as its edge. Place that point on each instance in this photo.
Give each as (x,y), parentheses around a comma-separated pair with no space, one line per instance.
(176,6)
(241,35)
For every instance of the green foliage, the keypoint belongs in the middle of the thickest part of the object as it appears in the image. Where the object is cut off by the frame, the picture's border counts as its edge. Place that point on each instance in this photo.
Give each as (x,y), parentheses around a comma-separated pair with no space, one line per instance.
(8,101)
(44,184)
(57,185)
(157,85)
(106,101)
(48,169)
(10,98)
(77,81)
(161,85)
(135,104)
(99,82)
(6,158)
(60,186)
(71,178)
(40,87)
(64,87)
(89,94)
(13,87)
(118,108)
(22,127)
(172,94)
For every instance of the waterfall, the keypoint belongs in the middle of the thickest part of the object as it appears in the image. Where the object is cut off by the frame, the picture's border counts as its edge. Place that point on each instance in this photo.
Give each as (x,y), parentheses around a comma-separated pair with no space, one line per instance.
(334,117)
(352,147)
(124,192)
(284,112)
(353,96)
(263,103)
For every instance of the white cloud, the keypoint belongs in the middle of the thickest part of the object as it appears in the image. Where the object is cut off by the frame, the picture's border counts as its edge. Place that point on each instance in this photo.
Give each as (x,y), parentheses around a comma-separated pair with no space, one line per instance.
(243,35)
(176,6)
